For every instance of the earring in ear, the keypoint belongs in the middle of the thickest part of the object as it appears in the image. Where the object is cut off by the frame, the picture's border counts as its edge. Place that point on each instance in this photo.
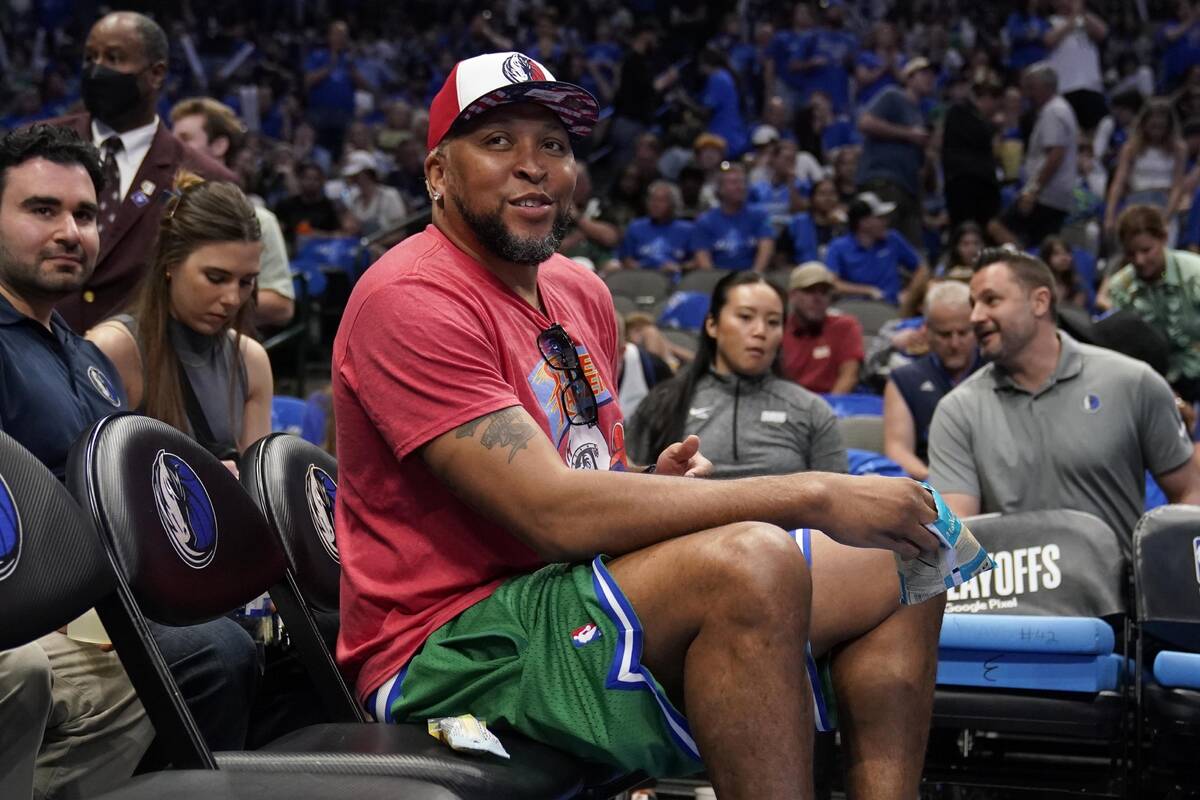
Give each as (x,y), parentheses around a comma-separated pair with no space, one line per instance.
(437,196)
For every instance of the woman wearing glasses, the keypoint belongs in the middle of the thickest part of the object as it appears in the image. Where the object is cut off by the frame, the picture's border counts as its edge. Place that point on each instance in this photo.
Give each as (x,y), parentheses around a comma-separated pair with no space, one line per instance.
(751,421)
(179,349)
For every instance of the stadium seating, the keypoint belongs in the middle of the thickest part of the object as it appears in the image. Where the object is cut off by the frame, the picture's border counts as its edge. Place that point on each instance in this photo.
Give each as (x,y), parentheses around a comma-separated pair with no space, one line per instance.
(872,314)
(191,545)
(862,432)
(55,567)
(1029,664)
(644,287)
(701,280)
(287,414)
(853,405)
(1166,568)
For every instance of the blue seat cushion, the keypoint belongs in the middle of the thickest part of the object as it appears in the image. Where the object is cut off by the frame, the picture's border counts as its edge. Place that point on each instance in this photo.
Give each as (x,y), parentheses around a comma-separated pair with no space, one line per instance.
(1027,634)
(1048,672)
(1177,670)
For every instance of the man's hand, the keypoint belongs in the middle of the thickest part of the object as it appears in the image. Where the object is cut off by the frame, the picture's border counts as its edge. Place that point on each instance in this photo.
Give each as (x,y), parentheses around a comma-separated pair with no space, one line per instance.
(918,136)
(683,459)
(886,513)
(1025,203)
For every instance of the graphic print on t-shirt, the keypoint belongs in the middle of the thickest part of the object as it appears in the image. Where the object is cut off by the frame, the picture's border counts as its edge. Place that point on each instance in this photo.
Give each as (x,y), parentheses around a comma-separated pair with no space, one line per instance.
(549,386)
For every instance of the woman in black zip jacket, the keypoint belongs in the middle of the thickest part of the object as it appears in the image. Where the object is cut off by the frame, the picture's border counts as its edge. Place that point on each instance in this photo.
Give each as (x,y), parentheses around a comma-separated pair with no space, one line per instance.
(750,420)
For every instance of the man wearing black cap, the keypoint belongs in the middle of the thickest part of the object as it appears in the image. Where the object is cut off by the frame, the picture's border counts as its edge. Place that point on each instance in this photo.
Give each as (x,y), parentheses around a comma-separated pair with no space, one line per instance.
(501,557)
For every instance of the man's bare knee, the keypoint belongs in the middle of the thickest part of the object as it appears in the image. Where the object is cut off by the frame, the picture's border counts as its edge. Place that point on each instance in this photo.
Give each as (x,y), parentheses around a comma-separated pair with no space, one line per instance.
(759,571)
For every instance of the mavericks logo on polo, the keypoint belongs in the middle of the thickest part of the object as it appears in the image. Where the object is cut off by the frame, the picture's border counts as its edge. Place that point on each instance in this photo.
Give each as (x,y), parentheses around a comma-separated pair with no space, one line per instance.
(185,510)
(103,385)
(10,532)
(321,491)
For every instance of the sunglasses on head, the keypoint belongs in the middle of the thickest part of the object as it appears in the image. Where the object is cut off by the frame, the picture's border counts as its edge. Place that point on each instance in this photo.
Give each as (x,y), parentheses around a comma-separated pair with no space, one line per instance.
(578,399)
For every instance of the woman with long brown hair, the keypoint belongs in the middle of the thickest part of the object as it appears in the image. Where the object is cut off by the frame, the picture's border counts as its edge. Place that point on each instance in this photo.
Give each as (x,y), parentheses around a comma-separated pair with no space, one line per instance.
(1151,165)
(179,350)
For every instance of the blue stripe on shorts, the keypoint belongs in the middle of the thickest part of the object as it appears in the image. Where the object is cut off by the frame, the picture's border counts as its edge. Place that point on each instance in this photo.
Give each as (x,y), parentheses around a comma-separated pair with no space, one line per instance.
(821,716)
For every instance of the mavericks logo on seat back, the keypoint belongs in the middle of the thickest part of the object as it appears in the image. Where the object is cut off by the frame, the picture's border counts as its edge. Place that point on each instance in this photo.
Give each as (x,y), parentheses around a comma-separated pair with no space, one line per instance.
(322,498)
(185,510)
(10,531)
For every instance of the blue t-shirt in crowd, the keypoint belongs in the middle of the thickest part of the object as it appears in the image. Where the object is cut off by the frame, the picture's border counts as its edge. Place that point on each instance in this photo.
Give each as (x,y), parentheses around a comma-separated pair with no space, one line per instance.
(651,245)
(836,47)
(878,265)
(335,92)
(785,47)
(53,385)
(721,98)
(1178,56)
(776,199)
(892,160)
(806,238)
(839,133)
(1026,39)
(870,60)
(731,240)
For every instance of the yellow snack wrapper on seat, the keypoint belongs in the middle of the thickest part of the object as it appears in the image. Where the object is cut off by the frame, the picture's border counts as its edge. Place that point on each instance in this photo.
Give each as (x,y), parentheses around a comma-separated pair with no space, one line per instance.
(466,734)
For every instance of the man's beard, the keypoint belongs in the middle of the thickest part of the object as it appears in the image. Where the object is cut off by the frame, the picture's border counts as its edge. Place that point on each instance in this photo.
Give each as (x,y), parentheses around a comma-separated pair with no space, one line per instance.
(494,235)
(29,282)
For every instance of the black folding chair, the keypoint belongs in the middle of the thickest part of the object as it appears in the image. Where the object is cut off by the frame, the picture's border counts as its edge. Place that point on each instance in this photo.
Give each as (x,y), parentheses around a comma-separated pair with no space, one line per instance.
(1166,568)
(53,568)
(294,483)
(192,546)
(1037,715)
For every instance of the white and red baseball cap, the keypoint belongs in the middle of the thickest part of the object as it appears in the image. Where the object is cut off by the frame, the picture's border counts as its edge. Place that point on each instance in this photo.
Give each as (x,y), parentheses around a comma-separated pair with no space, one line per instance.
(479,84)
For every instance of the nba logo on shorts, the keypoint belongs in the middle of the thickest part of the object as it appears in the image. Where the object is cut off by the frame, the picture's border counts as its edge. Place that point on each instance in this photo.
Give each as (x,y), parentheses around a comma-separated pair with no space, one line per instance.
(590,632)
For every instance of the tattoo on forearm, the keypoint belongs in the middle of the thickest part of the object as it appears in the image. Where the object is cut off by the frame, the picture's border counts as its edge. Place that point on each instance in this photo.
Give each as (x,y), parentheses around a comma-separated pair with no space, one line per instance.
(505,428)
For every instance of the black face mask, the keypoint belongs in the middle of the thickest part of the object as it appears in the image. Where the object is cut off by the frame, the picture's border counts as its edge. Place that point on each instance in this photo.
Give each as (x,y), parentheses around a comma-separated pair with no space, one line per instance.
(109,95)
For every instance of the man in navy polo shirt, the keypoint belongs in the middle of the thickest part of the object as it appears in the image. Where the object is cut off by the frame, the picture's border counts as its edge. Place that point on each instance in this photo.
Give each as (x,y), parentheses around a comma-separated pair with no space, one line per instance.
(53,385)
(72,723)
(914,390)
(733,236)
(868,260)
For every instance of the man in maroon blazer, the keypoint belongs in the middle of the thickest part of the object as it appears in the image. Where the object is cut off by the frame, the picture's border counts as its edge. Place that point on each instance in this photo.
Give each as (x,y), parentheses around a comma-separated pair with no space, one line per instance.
(125,65)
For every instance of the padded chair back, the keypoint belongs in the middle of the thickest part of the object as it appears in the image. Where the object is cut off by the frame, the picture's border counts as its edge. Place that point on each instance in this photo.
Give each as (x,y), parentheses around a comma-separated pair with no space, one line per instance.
(1048,563)
(188,540)
(294,485)
(862,432)
(855,404)
(645,287)
(287,414)
(1166,569)
(52,565)
(701,280)
(871,313)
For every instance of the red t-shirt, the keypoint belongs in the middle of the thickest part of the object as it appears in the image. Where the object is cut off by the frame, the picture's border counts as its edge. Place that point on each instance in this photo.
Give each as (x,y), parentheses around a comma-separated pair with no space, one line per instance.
(430,340)
(812,360)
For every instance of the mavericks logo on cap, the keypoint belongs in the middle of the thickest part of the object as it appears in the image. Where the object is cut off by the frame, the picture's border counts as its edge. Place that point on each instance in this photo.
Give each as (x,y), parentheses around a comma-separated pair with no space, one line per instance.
(520,68)
(103,385)
(321,491)
(185,510)
(10,532)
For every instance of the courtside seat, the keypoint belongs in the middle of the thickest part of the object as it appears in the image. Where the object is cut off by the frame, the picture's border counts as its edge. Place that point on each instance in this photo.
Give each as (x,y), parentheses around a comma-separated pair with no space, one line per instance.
(1166,568)
(294,484)
(191,545)
(53,567)
(1028,657)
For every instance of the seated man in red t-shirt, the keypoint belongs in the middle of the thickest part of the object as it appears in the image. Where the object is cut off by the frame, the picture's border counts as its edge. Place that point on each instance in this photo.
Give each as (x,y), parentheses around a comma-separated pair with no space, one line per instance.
(501,558)
(822,350)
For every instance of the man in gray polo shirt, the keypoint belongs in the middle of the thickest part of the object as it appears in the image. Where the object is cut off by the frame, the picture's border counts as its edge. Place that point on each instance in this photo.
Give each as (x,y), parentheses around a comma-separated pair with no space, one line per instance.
(1052,423)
